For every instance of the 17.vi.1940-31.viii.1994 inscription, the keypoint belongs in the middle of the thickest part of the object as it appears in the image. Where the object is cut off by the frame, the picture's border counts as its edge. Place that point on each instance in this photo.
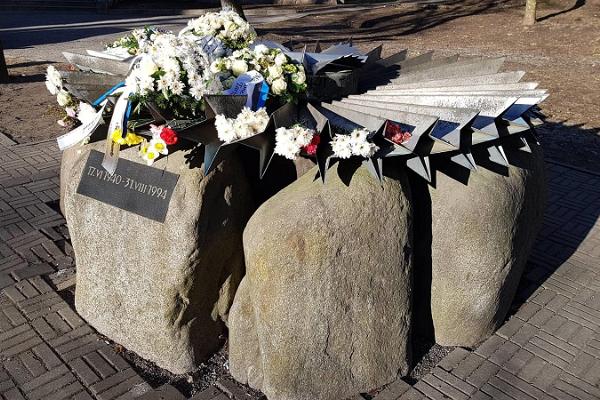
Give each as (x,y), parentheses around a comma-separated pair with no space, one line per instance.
(133,187)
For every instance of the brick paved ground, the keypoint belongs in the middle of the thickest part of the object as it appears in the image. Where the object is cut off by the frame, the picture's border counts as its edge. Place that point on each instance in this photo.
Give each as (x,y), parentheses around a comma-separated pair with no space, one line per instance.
(549,349)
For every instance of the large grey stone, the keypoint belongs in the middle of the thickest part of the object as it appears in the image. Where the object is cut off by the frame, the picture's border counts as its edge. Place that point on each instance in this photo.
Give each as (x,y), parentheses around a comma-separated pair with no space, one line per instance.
(473,242)
(160,289)
(325,307)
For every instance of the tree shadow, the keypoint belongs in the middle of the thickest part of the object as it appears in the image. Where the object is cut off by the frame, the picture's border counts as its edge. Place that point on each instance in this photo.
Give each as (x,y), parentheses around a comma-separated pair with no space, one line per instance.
(367,27)
(578,4)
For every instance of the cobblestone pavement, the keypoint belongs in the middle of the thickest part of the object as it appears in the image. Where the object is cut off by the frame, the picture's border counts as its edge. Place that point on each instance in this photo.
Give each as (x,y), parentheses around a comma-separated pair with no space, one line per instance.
(549,349)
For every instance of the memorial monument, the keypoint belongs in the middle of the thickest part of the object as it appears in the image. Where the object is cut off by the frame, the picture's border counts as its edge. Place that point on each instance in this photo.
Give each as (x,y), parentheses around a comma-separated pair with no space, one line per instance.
(417,194)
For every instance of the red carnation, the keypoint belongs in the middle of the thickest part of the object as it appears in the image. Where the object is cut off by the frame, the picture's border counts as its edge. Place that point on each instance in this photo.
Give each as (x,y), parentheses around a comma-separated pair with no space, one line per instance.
(311,148)
(168,135)
(395,133)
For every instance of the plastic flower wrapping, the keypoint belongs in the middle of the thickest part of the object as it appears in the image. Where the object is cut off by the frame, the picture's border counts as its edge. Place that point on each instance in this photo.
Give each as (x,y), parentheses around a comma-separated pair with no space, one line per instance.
(214,85)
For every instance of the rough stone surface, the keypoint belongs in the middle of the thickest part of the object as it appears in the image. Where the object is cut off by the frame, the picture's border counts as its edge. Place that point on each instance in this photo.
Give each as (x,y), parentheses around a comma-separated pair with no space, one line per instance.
(159,289)
(324,309)
(480,238)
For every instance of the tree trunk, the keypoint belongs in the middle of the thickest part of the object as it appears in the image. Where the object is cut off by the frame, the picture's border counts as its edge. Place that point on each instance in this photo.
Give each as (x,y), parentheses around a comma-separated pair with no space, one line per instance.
(3,67)
(530,9)
(235,6)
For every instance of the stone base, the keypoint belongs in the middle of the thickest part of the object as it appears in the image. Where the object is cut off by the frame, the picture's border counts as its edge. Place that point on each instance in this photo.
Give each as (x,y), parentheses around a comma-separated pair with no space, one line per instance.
(472,243)
(324,310)
(159,289)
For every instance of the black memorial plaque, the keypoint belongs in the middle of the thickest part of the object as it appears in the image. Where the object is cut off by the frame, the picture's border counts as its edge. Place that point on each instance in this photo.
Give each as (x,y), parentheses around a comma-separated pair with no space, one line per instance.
(133,187)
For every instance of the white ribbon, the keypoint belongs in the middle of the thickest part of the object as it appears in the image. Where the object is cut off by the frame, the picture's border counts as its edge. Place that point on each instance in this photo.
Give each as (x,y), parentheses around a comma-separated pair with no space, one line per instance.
(82,132)
(111,154)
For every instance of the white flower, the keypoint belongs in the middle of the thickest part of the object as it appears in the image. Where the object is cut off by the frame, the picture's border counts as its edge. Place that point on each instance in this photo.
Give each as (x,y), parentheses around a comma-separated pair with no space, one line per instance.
(216,67)
(53,78)
(275,71)
(86,113)
(148,153)
(280,59)
(177,88)
(239,67)
(224,127)
(261,49)
(290,141)
(299,77)
(63,97)
(51,88)
(340,145)
(246,124)
(355,144)
(158,145)
(147,66)
(279,86)
(365,149)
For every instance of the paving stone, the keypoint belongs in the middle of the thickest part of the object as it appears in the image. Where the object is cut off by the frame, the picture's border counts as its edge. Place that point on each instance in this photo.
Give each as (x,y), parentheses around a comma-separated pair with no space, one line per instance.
(41,380)
(520,384)
(112,381)
(509,328)
(449,362)
(444,388)
(429,391)
(509,389)
(487,348)
(532,368)
(453,381)
(576,390)
(210,394)
(524,334)
(165,392)
(482,374)
(393,390)
(468,365)
(232,389)
(504,353)
(581,337)
(517,361)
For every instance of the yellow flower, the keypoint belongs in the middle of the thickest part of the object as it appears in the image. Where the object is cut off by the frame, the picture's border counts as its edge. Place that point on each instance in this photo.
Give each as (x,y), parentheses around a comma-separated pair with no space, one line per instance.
(117,136)
(131,139)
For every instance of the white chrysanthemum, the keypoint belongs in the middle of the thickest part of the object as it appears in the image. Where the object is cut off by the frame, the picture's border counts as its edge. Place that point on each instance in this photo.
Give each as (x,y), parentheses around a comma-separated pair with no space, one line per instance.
(64,98)
(290,141)
(51,88)
(364,149)
(53,76)
(86,113)
(341,147)
(177,87)
(224,127)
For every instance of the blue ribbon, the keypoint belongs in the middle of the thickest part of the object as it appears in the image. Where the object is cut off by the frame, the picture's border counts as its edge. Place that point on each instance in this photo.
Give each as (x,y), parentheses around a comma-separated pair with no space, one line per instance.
(108,93)
(262,95)
(126,118)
